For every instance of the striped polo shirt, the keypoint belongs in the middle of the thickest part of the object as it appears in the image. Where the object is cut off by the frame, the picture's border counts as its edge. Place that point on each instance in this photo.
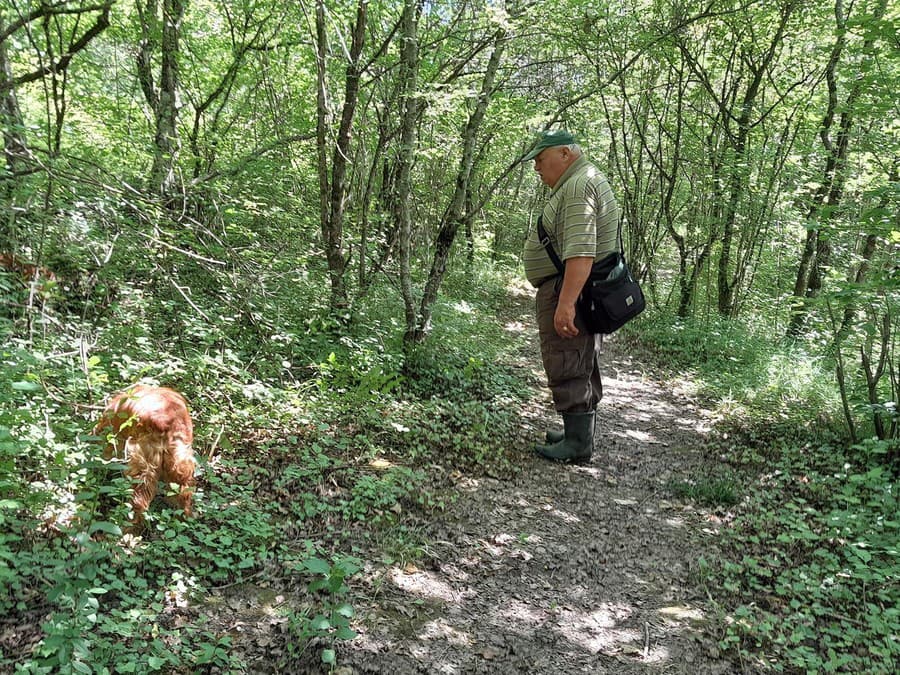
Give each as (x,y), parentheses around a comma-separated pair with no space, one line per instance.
(581,218)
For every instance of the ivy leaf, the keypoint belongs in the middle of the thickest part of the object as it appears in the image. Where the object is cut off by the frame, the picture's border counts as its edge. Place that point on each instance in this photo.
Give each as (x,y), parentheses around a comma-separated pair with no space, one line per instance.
(104,526)
(317,565)
(320,623)
(344,633)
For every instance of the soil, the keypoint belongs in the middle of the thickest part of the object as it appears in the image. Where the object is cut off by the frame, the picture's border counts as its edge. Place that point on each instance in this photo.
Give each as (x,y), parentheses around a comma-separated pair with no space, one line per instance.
(551,568)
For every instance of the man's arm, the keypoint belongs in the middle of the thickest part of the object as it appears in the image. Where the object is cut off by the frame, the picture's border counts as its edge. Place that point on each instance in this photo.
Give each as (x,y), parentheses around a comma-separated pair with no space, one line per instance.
(578,269)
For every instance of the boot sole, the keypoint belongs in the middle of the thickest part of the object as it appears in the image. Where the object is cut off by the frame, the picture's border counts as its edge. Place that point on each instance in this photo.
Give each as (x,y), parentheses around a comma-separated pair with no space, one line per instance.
(583,459)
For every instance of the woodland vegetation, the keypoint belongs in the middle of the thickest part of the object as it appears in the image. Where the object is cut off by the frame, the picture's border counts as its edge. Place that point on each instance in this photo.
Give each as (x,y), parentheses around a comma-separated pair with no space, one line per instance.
(305,216)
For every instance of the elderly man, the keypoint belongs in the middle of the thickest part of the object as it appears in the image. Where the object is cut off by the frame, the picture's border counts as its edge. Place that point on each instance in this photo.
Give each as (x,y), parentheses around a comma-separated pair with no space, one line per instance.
(580,217)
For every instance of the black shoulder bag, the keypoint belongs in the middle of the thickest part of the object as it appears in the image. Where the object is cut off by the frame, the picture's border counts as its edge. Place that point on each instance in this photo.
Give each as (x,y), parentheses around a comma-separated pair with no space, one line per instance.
(611,296)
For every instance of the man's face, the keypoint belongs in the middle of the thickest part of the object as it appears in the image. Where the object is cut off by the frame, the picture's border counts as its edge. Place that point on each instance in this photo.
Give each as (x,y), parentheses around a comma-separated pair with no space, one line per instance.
(552,163)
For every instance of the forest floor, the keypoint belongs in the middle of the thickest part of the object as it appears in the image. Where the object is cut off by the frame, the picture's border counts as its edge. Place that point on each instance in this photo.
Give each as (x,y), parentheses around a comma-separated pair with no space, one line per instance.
(548,568)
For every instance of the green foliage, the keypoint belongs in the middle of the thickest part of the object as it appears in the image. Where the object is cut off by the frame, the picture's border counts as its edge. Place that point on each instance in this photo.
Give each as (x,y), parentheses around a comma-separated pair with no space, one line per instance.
(303,421)
(361,375)
(814,587)
(709,490)
(808,582)
(749,371)
(332,623)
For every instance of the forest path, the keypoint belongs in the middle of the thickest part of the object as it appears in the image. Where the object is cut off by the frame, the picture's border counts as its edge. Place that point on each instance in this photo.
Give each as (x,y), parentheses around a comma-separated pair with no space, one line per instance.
(558,568)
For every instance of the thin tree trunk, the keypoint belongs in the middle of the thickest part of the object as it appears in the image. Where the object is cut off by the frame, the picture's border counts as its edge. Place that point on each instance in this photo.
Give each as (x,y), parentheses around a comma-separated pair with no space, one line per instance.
(15,144)
(162,97)
(455,214)
(333,190)
(323,122)
(870,245)
(817,251)
(409,107)
(726,278)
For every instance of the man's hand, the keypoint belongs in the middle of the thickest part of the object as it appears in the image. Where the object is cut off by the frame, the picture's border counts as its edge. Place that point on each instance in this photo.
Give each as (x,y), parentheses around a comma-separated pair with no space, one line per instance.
(564,321)
(577,272)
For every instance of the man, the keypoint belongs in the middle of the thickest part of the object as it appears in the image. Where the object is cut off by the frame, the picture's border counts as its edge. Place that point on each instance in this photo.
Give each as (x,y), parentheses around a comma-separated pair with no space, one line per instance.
(581,218)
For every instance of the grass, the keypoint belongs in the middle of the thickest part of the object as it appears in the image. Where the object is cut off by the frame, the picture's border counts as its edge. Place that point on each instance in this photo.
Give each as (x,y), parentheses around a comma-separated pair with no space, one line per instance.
(713,492)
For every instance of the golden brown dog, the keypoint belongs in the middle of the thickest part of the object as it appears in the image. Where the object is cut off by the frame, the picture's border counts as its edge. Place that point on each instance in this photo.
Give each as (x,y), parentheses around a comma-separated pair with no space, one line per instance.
(150,429)
(42,279)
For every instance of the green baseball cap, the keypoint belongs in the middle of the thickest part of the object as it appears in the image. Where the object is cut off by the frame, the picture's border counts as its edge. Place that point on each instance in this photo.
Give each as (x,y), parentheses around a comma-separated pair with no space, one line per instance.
(549,139)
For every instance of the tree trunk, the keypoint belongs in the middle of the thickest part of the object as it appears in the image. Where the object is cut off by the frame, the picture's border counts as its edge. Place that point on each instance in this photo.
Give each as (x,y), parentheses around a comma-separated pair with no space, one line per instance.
(727,279)
(15,146)
(333,191)
(817,250)
(455,214)
(409,108)
(164,98)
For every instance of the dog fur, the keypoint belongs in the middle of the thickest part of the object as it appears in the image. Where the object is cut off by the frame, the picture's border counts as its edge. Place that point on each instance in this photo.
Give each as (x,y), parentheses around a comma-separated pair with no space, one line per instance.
(150,429)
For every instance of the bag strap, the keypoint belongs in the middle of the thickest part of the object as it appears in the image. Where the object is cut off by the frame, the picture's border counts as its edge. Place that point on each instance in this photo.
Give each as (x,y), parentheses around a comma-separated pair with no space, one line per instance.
(545,242)
(551,252)
(619,236)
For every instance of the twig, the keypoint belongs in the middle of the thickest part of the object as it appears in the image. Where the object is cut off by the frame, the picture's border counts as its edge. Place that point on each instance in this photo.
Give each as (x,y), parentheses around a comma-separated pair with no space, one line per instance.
(190,254)
(646,639)
(215,443)
(189,301)
(237,582)
(83,349)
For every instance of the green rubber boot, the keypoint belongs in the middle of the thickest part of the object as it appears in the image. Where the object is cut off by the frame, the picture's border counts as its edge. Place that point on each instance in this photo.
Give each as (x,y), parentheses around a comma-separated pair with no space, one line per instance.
(555,435)
(578,439)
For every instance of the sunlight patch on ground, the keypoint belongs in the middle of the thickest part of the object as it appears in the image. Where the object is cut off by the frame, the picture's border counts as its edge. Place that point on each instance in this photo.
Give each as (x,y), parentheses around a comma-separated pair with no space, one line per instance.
(625,502)
(514,327)
(178,593)
(59,513)
(523,614)
(562,515)
(440,629)
(698,425)
(518,287)
(503,545)
(590,470)
(596,631)
(685,388)
(641,436)
(424,584)
(465,483)
(681,613)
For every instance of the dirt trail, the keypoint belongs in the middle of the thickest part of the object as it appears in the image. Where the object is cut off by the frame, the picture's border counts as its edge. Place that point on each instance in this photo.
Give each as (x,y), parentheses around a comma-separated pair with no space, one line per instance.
(560,569)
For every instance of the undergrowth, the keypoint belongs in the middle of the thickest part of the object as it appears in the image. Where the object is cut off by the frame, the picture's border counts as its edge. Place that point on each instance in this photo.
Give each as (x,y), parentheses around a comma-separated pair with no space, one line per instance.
(813,584)
(810,582)
(315,440)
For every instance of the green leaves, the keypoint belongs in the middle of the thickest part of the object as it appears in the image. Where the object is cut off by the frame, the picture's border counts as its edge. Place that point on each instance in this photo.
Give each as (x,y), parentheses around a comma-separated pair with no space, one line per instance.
(818,564)
(333,622)
(26,386)
(317,566)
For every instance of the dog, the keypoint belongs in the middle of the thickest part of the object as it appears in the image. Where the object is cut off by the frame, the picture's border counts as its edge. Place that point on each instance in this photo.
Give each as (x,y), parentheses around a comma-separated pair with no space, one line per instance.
(41,279)
(150,428)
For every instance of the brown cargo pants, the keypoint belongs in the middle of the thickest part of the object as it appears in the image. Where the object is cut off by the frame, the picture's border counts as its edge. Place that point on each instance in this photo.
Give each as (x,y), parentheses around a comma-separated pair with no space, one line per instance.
(572,365)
